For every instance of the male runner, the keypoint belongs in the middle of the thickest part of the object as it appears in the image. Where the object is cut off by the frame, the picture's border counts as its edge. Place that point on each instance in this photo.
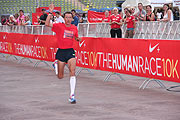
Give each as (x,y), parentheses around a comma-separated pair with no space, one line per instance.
(65,33)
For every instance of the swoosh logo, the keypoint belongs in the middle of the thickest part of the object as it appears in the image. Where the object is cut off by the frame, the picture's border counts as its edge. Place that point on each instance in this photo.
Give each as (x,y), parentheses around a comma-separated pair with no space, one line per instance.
(36,40)
(4,37)
(80,44)
(151,49)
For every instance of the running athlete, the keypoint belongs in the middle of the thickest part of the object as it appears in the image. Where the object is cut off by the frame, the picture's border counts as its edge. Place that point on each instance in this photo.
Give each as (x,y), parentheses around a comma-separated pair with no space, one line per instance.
(66,33)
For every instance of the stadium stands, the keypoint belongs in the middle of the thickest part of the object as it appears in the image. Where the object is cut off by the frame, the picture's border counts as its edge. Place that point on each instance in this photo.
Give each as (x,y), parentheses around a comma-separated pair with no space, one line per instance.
(13,6)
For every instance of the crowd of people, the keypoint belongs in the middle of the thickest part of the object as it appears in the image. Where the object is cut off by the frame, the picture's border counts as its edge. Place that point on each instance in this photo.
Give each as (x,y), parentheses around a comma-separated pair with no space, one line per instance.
(115,19)
(17,19)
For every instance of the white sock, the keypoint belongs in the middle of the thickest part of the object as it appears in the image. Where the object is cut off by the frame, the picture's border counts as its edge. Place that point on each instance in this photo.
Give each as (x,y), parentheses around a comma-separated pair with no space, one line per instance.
(56,66)
(72,84)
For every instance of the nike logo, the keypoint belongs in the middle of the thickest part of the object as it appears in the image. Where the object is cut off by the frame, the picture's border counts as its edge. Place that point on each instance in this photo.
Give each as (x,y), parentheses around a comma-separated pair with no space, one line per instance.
(36,40)
(80,44)
(4,37)
(151,49)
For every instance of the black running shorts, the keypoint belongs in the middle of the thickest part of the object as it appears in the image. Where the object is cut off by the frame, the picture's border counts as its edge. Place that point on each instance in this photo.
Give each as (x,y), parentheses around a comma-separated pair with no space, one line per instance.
(64,55)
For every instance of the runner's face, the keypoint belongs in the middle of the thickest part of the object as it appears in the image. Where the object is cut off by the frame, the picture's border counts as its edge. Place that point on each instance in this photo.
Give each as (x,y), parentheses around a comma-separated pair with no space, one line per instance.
(68,19)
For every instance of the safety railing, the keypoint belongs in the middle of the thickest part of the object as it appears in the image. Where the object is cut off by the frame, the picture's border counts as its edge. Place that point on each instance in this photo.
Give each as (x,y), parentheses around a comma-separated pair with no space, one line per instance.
(144,30)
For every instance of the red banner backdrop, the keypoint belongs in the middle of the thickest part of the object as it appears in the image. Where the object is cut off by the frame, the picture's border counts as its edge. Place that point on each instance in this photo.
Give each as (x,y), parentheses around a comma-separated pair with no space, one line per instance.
(157,59)
(95,17)
(35,18)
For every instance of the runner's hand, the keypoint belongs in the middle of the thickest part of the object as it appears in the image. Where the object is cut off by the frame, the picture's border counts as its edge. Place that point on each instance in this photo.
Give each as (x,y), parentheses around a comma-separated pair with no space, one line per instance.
(78,39)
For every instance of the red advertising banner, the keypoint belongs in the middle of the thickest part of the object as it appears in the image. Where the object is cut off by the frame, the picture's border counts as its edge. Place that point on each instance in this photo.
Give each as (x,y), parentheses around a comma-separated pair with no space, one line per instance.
(158,59)
(35,18)
(95,17)
(41,47)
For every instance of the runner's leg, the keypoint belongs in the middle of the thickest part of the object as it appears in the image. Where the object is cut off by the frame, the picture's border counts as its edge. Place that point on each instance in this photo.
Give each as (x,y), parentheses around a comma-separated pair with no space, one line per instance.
(61,65)
(72,67)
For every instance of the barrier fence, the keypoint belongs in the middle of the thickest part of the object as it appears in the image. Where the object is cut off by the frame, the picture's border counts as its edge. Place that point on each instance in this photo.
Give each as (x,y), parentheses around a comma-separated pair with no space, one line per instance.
(148,57)
(158,59)
(144,30)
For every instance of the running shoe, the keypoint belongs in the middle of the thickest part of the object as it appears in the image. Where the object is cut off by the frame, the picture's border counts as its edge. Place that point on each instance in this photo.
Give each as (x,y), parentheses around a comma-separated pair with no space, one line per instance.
(72,100)
(55,66)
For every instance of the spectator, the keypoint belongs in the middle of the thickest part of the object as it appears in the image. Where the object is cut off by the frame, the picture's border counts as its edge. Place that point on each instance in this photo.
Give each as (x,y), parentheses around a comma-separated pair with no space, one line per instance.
(16,17)
(11,21)
(21,17)
(124,18)
(141,13)
(43,17)
(84,18)
(125,9)
(4,20)
(168,15)
(115,22)
(27,21)
(52,19)
(59,19)
(159,14)
(176,14)
(131,24)
(149,15)
(132,11)
(106,18)
(75,18)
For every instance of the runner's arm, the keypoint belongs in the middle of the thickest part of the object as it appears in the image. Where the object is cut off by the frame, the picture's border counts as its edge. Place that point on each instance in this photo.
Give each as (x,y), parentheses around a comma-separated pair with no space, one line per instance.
(78,39)
(51,8)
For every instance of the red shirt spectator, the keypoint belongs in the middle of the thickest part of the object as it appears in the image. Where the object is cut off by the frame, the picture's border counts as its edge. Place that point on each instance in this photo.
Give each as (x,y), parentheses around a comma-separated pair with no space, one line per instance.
(115,18)
(65,35)
(130,21)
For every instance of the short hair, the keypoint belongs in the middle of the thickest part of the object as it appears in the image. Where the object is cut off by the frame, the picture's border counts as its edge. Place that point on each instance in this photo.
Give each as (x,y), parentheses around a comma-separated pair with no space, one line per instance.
(67,13)
(43,9)
(115,8)
(57,12)
(149,6)
(73,10)
(140,4)
(21,11)
(11,16)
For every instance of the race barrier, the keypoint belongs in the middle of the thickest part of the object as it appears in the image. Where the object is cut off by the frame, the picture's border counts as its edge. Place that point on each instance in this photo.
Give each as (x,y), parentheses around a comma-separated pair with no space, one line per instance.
(158,59)
(144,30)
